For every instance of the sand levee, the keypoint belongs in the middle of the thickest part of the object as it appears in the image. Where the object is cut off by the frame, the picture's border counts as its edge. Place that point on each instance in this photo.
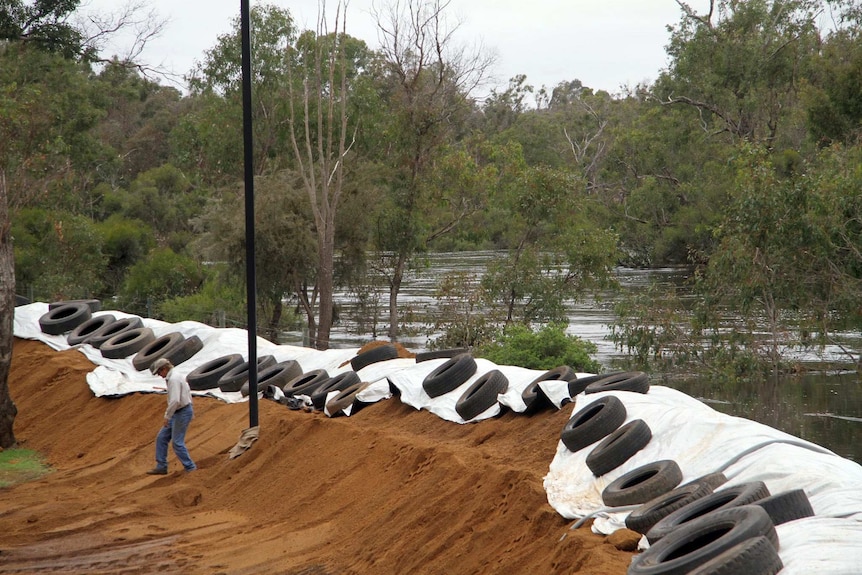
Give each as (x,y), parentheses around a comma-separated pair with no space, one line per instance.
(388,490)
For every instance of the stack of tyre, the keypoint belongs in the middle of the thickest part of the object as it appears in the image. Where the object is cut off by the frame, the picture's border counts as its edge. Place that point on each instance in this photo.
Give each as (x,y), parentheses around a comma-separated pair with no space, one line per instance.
(454,372)
(317,390)
(699,527)
(116,338)
(603,421)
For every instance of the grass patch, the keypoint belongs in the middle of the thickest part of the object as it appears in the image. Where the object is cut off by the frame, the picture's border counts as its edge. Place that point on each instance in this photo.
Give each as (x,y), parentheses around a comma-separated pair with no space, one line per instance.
(20,465)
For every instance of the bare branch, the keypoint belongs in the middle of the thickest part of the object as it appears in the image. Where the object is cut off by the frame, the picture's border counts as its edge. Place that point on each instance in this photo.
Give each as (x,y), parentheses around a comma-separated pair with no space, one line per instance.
(132,28)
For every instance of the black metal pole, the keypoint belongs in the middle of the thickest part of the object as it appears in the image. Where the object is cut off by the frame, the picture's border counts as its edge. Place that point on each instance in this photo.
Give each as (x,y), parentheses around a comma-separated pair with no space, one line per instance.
(248,153)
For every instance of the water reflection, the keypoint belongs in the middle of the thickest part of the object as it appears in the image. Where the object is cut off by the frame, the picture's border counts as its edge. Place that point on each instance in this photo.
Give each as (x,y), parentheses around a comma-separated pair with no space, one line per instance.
(822,408)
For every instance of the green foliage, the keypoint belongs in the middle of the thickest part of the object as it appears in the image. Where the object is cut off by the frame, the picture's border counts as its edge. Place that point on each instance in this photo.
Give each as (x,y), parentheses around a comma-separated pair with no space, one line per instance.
(556,252)
(285,242)
(124,243)
(58,255)
(651,327)
(47,112)
(161,276)
(739,65)
(219,303)
(462,318)
(786,263)
(832,101)
(162,197)
(547,348)
(568,188)
(43,23)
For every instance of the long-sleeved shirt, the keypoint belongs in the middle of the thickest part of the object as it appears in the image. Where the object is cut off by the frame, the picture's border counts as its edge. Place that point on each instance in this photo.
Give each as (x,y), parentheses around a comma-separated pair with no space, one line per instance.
(179,394)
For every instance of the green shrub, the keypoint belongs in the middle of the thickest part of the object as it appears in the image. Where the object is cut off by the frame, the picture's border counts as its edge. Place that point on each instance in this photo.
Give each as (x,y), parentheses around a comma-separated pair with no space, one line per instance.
(161,276)
(58,255)
(547,348)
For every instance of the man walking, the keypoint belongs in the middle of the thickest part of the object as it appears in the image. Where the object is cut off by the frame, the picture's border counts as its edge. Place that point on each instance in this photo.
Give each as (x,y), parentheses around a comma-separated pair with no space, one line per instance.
(178,415)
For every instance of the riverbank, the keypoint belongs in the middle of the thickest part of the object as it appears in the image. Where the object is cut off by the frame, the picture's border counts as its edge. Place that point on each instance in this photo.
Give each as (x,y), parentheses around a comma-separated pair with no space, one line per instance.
(388,490)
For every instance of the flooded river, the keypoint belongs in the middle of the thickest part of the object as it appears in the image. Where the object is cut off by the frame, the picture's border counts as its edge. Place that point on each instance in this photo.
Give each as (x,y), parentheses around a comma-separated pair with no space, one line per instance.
(822,408)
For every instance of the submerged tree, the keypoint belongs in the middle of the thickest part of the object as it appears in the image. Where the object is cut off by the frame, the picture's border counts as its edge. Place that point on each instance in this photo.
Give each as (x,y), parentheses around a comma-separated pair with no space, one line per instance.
(428,82)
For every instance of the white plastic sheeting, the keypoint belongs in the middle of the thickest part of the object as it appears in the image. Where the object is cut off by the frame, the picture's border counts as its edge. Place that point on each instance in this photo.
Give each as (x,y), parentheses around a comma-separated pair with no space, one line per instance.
(700,439)
(113,377)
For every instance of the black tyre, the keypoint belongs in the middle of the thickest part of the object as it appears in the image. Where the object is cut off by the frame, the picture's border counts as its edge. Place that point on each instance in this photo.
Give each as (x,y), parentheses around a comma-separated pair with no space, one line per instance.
(593,422)
(64,318)
(206,376)
(481,395)
(306,383)
(337,382)
(184,351)
(345,398)
(698,541)
(579,384)
(636,381)
(449,375)
(755,556)
(711,480)
(94,304)
(734,496)
(21,300)
(440,354)
(618,447)
(156,349)
(238,375)
(642,483)
(174,347)
(786,506)
(373,355)
(532,396)
(127,342)
(105,333)
(276,375)
(644,517)
(86,330)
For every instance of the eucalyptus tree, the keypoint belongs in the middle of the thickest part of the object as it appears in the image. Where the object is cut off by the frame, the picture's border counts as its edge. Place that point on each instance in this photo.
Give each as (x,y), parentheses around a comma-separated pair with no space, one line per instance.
(309,91)
(45,117)
(284,242)
(37,47)
(662,183)
(329,92)
(209,137)
(428,81)
(788,258)
(832,103)
(740,66)
(556,250)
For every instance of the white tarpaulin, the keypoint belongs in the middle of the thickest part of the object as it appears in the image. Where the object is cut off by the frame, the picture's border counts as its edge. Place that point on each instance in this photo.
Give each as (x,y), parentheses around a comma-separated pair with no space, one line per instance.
(700,439)
(113,377)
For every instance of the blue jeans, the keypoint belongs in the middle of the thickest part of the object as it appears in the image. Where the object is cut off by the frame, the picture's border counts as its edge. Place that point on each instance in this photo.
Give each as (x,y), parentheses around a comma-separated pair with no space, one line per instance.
(175,433)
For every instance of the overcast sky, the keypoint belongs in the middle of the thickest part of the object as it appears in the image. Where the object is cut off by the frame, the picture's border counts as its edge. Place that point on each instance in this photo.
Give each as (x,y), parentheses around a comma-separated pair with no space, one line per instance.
(606,44)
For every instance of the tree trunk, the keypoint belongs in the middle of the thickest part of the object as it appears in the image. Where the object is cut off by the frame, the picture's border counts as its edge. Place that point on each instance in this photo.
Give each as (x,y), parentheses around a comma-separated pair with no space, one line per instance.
(8,411)
(325,287)
(275,320)
(394,288)
(308,308)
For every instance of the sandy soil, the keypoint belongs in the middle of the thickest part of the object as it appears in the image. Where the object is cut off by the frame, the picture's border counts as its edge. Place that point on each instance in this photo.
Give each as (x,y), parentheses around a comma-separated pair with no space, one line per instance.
(390,490)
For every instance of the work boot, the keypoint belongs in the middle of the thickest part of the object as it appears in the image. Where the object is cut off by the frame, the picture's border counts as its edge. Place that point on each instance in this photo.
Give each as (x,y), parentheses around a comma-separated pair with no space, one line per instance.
(157,471)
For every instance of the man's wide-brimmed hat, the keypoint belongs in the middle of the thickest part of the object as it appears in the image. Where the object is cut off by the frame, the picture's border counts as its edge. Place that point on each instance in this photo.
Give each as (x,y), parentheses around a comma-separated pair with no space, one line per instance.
(159,364)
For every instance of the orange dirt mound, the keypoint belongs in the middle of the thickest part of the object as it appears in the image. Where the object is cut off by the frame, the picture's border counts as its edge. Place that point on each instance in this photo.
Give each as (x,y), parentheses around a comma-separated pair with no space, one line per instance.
(388,490)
